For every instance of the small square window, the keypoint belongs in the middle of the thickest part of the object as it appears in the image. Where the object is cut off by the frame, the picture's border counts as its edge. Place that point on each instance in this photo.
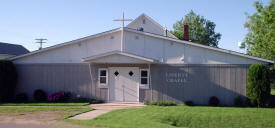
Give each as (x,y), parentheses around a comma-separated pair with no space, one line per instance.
(144,77)
(116,73)
(144,73)
(144,81)
(131,73)
(103,76)
(103,80)
(102,72)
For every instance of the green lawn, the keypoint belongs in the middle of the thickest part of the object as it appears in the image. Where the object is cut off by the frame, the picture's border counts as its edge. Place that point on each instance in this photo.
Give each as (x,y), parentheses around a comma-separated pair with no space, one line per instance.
(44,104)
(65,111)
(184,116)
(60,110)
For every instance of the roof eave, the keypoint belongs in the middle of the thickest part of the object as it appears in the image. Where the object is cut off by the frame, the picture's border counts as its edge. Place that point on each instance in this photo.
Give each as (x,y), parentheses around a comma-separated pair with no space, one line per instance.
(91,58)
(66,43)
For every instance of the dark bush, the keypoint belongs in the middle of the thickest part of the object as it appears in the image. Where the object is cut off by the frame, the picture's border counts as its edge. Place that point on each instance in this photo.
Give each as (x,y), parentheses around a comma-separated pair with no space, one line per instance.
(258,84)
(7,80)
(21,98)
(272,76)
(161,103)
(247,102)
(189,103)
(238,101)
(40,96)
(60,97)
(213,101)
(89,100)
(95,101)
(271,101)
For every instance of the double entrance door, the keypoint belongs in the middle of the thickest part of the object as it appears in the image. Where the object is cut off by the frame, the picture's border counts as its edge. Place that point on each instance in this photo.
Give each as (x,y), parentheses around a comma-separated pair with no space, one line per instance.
(124,84)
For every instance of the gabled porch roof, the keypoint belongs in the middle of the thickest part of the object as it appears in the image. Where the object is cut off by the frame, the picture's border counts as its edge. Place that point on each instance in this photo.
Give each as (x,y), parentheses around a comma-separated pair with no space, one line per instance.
(117,57)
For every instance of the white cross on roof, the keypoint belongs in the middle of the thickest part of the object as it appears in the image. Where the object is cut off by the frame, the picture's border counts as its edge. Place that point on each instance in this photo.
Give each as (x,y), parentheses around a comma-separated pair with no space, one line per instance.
(123,19)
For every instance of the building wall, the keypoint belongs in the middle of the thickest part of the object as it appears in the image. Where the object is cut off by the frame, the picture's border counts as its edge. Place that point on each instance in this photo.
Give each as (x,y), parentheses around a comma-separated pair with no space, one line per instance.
(80,78)
(75,52)
(176,53)
(56,77)
(148,26)
(168,82)
(196,83)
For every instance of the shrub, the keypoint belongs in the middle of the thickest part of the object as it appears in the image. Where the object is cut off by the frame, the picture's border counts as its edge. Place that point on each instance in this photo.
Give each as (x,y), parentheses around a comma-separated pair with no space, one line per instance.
(271,76)
(161,103)
(95,101)
(7,80)
(39,95)
(258,84)
(60,97)
(271,101)
(213,101)
(238,101)
(21,97)
(89,100)
(189,103)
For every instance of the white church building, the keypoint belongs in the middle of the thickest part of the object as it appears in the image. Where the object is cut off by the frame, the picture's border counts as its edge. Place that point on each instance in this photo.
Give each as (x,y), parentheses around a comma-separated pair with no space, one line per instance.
(137,63)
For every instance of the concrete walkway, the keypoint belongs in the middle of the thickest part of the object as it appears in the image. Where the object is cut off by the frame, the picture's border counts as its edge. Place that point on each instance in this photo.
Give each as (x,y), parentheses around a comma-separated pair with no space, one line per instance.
(105,108)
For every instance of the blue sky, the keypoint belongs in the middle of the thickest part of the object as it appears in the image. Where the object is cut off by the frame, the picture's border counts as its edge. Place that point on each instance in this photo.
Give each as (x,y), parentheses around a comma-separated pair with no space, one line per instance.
(64,20)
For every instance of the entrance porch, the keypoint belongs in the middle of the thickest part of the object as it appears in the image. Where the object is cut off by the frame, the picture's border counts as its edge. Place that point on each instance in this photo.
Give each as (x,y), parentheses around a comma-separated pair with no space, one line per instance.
(121,76)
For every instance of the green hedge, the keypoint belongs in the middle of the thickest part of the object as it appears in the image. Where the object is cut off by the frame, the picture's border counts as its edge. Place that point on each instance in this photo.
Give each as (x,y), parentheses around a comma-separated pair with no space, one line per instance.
(7,80)
(161,103)
(258,84)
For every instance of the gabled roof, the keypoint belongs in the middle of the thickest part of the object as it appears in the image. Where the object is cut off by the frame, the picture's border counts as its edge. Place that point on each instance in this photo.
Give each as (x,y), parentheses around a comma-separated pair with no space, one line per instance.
(12,49)
(147,34)
(152,21)
(66,43)
(200,45)
(120,53)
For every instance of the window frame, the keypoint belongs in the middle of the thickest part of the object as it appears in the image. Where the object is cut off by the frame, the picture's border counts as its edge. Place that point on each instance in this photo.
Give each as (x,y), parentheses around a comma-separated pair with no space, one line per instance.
(99,70)
(148,77)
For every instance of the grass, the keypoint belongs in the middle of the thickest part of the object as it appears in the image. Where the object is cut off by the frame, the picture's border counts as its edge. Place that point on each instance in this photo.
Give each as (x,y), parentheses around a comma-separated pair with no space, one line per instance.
(272,91)
(63,110)
(44,104)
(21,109)
(184,116)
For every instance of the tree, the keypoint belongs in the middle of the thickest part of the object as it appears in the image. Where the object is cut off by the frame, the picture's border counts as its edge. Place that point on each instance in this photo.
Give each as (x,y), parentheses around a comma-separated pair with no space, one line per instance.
(260,39)
(258,84)
(201,30)
(8,77)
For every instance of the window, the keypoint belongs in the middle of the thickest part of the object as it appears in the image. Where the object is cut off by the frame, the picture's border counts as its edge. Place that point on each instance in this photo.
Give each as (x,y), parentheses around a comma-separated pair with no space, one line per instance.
(144,76)
(102,75)
(131,73)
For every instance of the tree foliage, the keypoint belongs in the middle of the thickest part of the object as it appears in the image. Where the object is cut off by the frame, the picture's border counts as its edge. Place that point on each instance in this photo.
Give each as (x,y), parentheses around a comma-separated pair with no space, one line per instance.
(258,84)
(260,39)
(201,30)
(7,80)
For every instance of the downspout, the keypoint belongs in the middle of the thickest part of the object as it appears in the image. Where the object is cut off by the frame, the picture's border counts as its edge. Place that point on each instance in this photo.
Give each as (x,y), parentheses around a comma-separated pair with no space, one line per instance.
(150,85)
(91,80)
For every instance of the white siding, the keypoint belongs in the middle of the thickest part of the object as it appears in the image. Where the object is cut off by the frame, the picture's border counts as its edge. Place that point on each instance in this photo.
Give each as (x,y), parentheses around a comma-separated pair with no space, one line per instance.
(73,53)
(176,53)
(118,59)
(148,26)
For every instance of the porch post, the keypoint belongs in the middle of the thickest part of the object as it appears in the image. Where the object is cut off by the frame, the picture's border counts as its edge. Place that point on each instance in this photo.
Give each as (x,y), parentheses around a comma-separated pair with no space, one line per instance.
(150,85)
